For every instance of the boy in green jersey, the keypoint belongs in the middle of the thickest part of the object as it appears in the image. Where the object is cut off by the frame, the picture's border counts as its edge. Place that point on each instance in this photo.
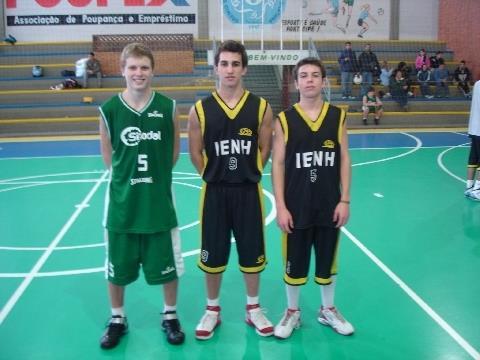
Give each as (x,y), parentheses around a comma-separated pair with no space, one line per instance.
(139,137)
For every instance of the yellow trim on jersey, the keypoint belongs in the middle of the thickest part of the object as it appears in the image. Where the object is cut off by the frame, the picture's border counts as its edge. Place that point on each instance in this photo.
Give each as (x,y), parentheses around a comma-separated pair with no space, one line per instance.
(253,270)
(322,281)
(292,281)
(335,257)
(259,160)
(201,115)
(314,125)
(283,123)
(259,268)
(209,269)
(201,119)
(261,114)
(342,124)
(284,238)
(231,113)
(262,209)
(261,111)
(262,203)
(201,205)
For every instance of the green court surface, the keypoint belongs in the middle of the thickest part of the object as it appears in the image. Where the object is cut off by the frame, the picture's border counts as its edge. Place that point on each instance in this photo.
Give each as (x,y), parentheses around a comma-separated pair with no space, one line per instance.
(409,264)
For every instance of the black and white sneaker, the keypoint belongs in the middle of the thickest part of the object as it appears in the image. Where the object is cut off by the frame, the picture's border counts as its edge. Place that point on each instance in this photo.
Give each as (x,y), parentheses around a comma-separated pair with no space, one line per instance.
(116,328)
(172,328)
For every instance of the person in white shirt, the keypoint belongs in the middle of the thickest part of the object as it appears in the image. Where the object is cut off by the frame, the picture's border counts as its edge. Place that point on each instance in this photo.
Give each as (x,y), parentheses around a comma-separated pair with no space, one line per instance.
(473,166)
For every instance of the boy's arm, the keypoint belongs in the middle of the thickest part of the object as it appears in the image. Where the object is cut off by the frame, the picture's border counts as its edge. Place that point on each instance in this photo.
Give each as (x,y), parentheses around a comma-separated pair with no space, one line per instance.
(265,135)
(342,210)
(284,218)
(105,144)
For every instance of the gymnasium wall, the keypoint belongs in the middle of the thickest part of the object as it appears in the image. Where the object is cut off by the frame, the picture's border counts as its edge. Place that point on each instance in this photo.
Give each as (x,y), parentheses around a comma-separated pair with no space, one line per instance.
(418,20)
(75,20)
(459,26)
(78,20)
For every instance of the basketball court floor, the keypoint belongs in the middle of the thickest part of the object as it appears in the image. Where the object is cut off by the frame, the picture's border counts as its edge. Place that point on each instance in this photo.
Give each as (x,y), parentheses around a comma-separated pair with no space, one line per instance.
(409,261)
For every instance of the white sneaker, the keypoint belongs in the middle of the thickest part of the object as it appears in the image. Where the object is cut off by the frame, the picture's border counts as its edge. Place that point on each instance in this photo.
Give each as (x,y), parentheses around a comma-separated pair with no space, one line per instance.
(468,191)
(209,321)
(289,322)
(256,318)
(332,317)
(473,194)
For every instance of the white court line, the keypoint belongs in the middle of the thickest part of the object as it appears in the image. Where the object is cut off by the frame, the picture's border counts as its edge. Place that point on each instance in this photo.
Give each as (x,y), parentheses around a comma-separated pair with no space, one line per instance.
(417,147)
(459,133)
(8,181)
(76,247)
(444,168)
(58,248)
(420,302)
(269,218)
(55,273)
(51,175)
(34,271)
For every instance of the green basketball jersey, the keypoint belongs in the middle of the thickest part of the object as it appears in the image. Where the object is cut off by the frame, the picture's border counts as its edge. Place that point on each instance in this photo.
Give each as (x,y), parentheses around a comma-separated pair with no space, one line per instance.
(139,196)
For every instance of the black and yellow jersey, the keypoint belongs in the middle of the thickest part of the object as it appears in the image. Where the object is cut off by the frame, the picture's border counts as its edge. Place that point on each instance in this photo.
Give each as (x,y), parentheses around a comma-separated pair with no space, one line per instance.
(312,164)
(230,137)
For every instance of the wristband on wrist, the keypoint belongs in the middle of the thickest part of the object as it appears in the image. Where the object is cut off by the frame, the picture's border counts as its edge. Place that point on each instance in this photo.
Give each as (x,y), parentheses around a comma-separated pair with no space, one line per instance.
(345,202)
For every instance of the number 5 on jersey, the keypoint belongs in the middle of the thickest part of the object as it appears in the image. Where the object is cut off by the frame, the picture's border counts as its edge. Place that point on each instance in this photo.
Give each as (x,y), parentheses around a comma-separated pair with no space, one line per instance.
(142,162)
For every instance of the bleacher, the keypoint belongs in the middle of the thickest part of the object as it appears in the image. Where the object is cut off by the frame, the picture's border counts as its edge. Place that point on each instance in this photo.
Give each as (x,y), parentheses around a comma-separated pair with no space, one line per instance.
(28,107)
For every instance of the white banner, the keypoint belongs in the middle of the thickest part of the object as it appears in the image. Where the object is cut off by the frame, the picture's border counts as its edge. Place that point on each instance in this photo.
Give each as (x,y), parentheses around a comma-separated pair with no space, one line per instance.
(269,57)
(60,20)
(299,19)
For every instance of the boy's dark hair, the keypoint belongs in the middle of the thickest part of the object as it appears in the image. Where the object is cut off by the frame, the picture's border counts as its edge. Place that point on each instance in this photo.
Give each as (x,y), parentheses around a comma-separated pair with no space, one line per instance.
(234,47)
(92,53)
(371,88)
(309,61)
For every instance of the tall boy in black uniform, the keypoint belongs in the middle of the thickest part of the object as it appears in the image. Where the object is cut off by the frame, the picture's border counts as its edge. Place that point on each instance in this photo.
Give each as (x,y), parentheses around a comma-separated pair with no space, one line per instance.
(230,140)
(311,176)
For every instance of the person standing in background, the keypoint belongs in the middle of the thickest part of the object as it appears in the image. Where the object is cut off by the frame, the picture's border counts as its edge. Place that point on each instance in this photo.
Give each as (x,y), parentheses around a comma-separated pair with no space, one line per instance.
(348,66)
(473,167)
(369,68)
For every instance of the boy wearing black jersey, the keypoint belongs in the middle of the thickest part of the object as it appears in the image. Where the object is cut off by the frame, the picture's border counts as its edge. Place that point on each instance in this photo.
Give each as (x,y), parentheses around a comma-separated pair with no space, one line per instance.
(311,173)
(230,140)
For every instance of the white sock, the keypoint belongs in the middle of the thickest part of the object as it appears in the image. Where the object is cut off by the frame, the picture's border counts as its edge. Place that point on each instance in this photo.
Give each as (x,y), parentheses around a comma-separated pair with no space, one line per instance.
(118,312)
(293,295)
(172,308)
(328,294)
(213,302)
(252,300)
(469,183)
(477,184)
